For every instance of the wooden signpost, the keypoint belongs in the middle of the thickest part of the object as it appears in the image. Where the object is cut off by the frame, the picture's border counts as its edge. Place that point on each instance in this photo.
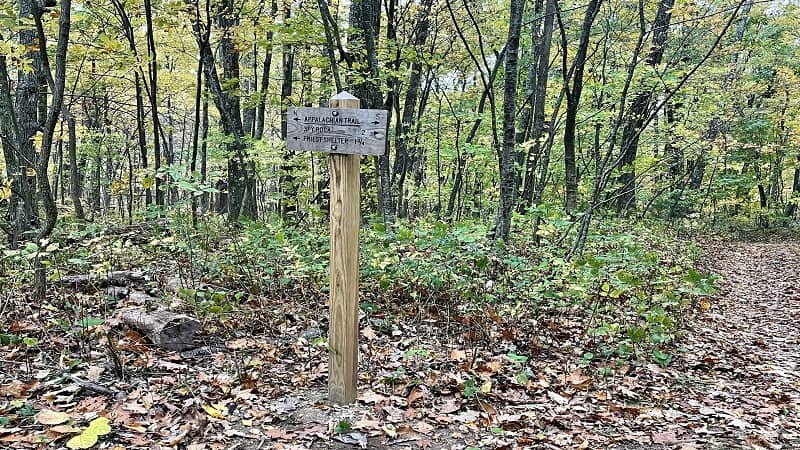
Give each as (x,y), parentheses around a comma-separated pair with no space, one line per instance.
(346,132)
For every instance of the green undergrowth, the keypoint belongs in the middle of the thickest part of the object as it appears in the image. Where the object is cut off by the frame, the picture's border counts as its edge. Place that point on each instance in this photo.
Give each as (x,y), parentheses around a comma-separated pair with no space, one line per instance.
(623,299)
(625,296)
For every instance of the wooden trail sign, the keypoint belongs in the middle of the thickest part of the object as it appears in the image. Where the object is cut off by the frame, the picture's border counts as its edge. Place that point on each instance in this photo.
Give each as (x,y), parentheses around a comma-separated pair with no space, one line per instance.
(345,132)
(336,130)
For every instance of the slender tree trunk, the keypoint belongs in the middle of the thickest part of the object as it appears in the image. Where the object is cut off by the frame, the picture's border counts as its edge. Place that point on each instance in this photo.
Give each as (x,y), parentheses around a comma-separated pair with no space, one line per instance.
(403,160)
(24,210)
(331,31)
(198,94)
(262,98)
(640,109)
(288,182)
(573,95)
(228,105)
(507,171)
(152,68)
(74,178)
(142,137)
(57,82)
(542,61)
(204,153)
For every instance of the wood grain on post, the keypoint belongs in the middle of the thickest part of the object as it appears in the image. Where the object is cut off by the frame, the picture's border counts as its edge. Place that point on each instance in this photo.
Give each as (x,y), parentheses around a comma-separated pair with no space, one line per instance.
(345,219)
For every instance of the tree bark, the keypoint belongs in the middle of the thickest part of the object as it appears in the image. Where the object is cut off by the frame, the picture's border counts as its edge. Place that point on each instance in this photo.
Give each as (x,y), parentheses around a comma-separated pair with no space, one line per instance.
(573,96)
(288,183)
(262,98)
(74,178)
(542,60)
(507,171)
(227,104)
(640,109)
(166,329)
(152,70)
(403,159)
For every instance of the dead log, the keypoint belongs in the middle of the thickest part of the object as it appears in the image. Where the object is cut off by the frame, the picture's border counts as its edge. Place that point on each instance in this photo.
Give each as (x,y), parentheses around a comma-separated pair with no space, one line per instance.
(166,329)
(100,281)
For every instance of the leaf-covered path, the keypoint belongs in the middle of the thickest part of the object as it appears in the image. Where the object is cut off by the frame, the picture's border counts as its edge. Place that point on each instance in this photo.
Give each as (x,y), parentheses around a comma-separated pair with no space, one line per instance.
(736,384)
(740,375)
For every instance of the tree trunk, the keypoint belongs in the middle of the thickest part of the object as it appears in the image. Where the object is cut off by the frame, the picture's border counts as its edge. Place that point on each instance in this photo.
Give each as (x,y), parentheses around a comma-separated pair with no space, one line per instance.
(639,110)
(507,171)
(204,152)
(403,160)
(57,82)
(24,210)
(228,104)
(573,100)
(542,61)
(262,98)
(74,178)
(152,69)
(288,183)
(198,94)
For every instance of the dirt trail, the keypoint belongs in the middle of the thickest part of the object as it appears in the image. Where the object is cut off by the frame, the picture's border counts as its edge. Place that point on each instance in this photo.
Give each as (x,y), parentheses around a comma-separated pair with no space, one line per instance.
(741,366)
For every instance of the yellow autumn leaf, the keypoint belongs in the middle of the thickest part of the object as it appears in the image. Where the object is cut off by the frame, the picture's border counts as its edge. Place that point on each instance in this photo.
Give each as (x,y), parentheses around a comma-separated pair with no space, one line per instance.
(48,417)
(88,437)
(486,387)
(214,412)
(99,426)
(83,440)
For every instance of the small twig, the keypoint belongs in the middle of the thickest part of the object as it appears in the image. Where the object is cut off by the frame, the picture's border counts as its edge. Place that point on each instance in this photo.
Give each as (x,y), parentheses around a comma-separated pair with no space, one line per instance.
(94,387)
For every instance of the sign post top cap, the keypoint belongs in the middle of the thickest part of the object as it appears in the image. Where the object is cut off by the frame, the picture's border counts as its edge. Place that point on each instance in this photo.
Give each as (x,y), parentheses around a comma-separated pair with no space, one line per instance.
(344,95)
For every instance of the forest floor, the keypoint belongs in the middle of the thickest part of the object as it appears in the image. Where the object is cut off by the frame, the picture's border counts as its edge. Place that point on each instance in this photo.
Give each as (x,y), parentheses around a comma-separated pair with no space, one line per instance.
(258,379)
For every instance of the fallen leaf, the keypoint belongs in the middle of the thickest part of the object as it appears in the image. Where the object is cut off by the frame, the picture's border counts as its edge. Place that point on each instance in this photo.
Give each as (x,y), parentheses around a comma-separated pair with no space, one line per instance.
(665,437)
(369,333)
(240,344)
(93,373)
(214,412)
(467,416)
(390,430)
(578,380)
(177,439)
(450,405)
(372,397)
(88,438)
(416,394)
(83,440)
(557,398)
(48,417)
(17,389)
(458,355)
(356,438)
